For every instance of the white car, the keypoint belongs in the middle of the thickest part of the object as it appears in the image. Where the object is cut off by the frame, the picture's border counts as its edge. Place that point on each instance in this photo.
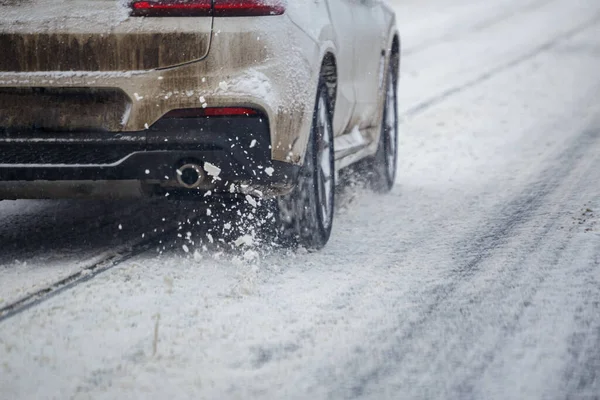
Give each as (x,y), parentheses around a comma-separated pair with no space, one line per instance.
(265,98)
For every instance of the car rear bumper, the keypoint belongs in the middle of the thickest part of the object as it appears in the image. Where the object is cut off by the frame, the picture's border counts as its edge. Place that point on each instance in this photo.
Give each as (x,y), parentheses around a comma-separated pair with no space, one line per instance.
(248,65)
(233,150)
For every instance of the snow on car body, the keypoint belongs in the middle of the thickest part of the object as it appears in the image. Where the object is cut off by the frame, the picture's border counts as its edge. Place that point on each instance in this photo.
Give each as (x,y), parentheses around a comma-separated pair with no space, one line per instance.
(107,97)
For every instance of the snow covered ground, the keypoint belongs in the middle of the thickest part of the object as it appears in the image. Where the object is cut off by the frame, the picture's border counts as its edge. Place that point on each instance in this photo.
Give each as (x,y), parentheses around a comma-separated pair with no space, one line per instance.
(477,277)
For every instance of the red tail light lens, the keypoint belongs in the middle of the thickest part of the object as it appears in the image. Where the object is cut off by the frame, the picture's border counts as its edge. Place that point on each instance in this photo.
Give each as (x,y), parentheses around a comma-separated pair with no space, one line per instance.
(229,111)
(203,8)
(211,112)
(171,8)
(248,8)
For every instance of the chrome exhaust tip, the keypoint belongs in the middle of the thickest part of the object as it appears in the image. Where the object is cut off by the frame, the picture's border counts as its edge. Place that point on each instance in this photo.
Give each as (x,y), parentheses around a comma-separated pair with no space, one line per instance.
(190,176)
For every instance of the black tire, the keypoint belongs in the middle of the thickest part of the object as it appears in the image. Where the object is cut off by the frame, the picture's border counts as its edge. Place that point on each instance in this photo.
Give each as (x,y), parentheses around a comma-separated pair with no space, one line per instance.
(304,217)
(382,166)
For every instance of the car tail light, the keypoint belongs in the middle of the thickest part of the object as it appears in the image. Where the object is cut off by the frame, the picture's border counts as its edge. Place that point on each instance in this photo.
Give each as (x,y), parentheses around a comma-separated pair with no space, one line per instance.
(248,8)
(229,111)
(201,8)
(211,112)
(171,8)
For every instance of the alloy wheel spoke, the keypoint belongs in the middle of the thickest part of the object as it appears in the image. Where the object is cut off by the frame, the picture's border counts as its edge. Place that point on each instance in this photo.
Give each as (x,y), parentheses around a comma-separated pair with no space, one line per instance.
(391,127)
(324,172)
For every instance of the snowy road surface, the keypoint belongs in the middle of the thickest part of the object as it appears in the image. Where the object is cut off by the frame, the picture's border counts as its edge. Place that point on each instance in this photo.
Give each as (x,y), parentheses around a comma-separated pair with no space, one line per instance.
(478,277)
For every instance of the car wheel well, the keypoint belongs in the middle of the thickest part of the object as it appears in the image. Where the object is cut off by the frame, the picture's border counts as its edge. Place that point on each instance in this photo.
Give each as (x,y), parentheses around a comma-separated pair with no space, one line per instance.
(329,76)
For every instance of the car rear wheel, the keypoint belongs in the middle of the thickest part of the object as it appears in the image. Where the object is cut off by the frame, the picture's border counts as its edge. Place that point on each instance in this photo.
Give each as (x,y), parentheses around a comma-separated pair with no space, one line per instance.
(305,216)
(383,164)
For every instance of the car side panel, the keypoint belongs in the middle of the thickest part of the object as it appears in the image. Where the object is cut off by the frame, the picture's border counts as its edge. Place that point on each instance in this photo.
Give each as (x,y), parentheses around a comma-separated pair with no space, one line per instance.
(329,23)
(370,40)
(342,34)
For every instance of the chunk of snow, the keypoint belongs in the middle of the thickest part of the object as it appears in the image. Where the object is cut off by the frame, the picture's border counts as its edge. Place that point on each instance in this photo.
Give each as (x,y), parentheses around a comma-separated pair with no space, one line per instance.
(253,143)
(251,200)
(212,169)
(252,81)
(244,240)
(269,171)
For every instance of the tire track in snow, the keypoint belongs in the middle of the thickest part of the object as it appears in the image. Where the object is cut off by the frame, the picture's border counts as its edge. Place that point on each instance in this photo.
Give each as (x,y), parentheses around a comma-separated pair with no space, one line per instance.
(510,218)
(527,277)
(433,101)
(584,375)
(87,271)
(83,275)
(496,19)
(524,208)
(46,241)
(153,238)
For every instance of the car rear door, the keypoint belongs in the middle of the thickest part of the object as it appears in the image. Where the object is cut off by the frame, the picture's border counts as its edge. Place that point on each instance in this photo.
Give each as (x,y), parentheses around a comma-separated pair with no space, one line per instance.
(341,16)
(368,40)
(100,35)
